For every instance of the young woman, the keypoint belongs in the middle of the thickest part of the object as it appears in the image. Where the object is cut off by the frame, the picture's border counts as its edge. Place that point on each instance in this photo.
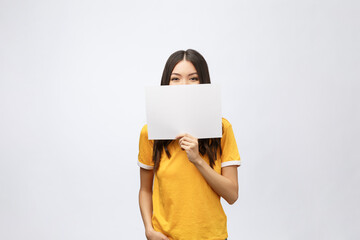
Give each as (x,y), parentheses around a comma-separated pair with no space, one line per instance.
(182,180)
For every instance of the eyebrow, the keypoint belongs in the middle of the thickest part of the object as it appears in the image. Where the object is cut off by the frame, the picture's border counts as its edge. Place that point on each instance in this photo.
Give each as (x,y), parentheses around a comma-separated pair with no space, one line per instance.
(180,74)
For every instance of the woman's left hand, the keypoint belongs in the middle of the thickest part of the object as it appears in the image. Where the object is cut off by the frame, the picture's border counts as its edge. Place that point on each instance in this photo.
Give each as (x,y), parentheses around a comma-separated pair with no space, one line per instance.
(190,145)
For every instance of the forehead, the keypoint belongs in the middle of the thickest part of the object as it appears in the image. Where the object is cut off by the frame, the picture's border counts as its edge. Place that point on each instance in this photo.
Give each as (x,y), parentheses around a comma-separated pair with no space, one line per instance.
(184,67)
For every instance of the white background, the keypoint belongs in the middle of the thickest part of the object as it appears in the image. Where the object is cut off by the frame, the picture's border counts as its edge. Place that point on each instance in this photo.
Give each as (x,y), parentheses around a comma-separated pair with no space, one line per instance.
(72,78)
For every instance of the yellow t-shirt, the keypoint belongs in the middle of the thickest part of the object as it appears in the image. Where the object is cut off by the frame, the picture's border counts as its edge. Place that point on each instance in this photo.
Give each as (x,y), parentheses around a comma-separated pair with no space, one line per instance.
(184,206)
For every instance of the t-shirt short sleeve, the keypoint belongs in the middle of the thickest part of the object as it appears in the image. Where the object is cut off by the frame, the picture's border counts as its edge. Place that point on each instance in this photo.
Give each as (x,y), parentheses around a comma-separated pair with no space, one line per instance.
(145,150)
(230,155)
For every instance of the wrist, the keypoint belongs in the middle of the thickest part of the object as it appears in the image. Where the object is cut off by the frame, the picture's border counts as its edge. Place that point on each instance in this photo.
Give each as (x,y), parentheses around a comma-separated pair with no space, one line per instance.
(198,161)
(149,230)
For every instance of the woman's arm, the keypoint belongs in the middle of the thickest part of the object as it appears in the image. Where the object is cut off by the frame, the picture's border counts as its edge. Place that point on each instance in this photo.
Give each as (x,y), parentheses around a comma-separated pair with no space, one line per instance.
(226,184)
(145,202)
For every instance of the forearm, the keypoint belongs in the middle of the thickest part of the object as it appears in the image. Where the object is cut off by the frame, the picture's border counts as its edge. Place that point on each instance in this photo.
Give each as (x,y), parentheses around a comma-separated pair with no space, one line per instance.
(146,209)
(223,186)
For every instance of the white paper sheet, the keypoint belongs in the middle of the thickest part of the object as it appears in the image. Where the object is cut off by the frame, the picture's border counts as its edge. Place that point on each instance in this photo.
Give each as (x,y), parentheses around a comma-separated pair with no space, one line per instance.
(193,109)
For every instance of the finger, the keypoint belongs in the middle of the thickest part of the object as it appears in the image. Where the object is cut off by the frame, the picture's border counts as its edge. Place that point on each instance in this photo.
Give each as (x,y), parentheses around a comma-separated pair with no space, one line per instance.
(185,135)
(190,144)
(180,136)
(190,140)
(186,148)
(186,139)
(181,141)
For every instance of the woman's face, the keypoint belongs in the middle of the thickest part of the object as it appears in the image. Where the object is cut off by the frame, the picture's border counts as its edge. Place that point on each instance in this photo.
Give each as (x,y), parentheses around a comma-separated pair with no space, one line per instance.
(184,73)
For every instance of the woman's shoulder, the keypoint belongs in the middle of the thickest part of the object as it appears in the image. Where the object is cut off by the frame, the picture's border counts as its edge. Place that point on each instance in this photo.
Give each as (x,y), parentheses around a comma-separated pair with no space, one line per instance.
(144,137)
(225,123)
(144,131)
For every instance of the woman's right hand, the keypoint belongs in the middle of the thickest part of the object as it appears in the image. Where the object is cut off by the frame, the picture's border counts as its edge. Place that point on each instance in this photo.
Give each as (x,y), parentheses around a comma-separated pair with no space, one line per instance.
(154,235)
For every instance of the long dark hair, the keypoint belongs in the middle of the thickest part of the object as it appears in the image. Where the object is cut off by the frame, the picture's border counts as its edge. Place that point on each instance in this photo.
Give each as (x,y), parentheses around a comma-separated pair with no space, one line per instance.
(208,146)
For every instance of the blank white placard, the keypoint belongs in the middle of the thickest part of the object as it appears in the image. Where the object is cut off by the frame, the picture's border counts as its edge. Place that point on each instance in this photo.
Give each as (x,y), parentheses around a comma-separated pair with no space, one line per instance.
(193,109)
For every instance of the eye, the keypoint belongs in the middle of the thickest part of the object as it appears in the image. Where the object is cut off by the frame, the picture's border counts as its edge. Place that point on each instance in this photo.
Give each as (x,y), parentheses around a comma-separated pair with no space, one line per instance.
(174,79)
(194,79)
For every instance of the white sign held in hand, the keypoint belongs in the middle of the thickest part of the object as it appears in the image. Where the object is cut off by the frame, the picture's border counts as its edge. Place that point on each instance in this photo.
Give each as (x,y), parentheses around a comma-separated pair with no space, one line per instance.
(193,109)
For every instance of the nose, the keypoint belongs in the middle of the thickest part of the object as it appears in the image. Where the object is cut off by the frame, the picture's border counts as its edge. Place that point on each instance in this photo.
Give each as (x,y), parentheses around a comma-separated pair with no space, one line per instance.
(184,81)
